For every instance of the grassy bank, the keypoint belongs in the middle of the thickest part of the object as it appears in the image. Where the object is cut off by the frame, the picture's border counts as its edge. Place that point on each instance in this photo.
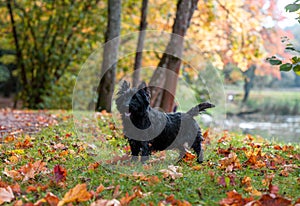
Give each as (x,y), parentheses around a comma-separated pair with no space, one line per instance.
(275,102)
(56,160)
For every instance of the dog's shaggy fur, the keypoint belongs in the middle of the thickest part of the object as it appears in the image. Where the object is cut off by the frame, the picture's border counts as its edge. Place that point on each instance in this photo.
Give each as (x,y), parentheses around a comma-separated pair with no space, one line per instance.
(148,129)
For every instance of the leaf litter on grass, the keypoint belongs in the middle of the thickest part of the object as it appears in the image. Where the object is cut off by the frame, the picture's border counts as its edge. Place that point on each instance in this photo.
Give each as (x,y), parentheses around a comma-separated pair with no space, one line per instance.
(55,167)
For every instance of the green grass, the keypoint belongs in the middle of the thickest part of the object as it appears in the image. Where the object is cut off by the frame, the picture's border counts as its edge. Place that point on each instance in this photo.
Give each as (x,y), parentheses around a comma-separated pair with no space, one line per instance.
(199,185)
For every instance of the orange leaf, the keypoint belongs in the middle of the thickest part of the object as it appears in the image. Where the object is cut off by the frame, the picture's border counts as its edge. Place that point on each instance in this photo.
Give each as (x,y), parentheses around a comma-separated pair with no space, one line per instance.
(50,198)
(100,188)
(12,174)
(188,157)
(127,199)
(93,166)
(76,194)
(277,147)
(6,195)
(234,198)
(30,170)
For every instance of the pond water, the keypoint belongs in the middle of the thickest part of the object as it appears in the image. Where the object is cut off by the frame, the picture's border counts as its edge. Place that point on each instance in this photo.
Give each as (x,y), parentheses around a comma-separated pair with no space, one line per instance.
(280,128)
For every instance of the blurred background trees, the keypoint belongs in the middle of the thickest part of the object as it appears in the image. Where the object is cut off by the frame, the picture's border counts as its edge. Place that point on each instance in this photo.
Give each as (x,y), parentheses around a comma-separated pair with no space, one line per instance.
(44,43)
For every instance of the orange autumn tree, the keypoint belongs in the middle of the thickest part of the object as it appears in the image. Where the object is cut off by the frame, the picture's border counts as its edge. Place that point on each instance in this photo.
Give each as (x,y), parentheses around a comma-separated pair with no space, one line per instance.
(233,33)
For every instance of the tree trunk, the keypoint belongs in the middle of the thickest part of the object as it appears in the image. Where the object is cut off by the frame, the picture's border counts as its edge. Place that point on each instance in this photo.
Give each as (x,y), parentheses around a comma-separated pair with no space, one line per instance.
(139,53)
(19,54)
(165,82)
(249,79)
(110,57)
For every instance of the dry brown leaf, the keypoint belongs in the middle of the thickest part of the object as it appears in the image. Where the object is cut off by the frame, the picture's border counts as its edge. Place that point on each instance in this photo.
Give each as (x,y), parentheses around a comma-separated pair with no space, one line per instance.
(6,195)
(77,194)
(272,199)
(103,202)
(30,170)
(13,174)
(172,171)
(100,189)
(234,198)
(116,191)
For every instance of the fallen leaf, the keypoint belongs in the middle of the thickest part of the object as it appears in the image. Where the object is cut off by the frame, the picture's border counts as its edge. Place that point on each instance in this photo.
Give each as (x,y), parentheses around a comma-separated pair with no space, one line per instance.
(77,194)
(30,170)
(171,200)
(188,157)
(50,198)
(273,189)
(16,188)
(127,199)
(234,198)
(273,200)
(6,195)
(230,163)
(100,189)
(103,202)
(277,147)
(93,166)
(18,203)
(172,172)
(60,174)
(116,191)
(13,174)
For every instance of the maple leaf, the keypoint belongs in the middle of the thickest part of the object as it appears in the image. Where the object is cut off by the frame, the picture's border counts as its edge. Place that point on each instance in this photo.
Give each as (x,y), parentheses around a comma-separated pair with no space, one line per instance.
(77,194)
(60,174)
(30,170)
(6,195)
(50,198)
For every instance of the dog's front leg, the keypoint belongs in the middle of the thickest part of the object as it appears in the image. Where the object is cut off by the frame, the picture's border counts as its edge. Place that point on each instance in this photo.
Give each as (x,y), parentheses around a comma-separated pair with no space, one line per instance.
(135,147)
(145,151)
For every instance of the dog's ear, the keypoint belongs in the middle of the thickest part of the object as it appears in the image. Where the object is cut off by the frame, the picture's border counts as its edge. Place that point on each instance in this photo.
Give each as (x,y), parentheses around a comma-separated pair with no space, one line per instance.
(142,86)
(125,86)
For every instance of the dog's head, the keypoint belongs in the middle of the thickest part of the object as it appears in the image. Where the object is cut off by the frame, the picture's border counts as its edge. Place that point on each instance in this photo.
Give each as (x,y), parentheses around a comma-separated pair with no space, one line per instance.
(134,101)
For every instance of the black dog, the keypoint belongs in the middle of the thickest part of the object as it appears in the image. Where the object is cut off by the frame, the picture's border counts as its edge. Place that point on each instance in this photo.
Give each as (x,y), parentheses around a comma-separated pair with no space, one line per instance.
(148,129)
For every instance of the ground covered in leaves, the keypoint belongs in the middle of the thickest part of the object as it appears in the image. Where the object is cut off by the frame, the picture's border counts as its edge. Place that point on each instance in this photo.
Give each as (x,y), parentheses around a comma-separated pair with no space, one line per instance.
(55,167)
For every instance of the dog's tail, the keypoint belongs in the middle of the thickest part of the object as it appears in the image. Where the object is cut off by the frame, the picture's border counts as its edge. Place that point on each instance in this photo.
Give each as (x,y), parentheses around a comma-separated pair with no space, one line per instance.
(200,107)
